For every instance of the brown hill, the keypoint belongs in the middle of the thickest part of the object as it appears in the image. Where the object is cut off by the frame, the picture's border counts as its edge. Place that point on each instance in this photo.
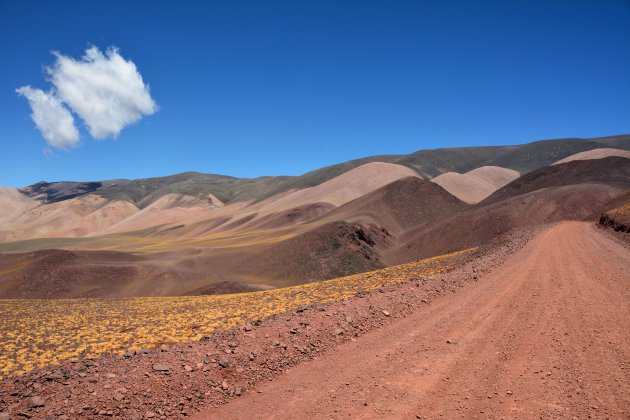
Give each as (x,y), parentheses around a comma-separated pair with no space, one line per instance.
(427,163)
(595,154)
(480,224)
(610,171)
(473,186)
(78,216)
(354,237)
(332,250)
(400,205)
(370,214)
(13,204)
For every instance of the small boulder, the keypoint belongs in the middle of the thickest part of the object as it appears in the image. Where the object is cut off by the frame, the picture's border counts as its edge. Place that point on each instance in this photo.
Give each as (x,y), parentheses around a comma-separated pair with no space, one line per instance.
(224,363)
(161,368)
(34,402)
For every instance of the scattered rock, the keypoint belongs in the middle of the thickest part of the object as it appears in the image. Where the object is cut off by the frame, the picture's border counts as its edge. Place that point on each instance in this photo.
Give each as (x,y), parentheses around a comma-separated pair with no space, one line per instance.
(161,368)
(34,402)
(152,385)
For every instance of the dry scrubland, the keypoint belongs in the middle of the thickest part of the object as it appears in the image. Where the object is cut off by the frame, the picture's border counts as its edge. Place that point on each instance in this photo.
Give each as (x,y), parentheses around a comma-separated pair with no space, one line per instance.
(622,210)
(40,333)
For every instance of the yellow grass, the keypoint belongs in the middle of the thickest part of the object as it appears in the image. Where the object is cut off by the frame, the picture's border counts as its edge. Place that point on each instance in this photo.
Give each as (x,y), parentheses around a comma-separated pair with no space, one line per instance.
(623,210)
(39,333)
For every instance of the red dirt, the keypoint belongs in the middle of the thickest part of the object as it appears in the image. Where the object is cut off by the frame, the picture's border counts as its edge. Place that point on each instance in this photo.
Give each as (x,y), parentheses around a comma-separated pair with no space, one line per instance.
(273,345)
(524,330)
(544,335)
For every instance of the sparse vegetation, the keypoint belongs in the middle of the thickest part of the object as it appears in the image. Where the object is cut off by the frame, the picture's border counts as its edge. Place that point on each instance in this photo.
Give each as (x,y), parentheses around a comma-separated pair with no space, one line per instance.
(618,217)
(39,333)
(622,210)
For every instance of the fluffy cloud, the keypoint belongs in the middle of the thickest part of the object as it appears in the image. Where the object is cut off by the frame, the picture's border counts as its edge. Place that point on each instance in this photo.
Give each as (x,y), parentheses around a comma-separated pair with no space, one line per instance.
(105,90)
(52,119)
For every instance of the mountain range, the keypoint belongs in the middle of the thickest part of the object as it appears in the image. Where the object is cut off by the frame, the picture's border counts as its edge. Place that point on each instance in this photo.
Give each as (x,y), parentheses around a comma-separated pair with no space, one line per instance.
(194,233)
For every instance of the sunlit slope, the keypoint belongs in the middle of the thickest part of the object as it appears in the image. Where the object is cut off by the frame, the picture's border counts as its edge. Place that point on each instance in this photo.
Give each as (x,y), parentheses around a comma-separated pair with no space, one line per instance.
(46,332)
(473,186)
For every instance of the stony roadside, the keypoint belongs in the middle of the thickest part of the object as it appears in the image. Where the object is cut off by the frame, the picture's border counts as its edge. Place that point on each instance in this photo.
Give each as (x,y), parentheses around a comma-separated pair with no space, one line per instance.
(177,381)
(622,238)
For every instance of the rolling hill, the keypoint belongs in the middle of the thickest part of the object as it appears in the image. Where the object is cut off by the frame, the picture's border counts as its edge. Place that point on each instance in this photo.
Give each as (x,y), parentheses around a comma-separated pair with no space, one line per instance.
(196,233)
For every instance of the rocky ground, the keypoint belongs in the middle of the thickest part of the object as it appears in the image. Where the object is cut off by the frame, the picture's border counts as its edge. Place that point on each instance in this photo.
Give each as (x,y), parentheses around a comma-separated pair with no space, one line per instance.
(180,380)
(542,336)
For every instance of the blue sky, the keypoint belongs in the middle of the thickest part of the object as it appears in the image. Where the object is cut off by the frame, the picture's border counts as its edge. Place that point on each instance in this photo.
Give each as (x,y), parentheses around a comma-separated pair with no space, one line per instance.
(272,88)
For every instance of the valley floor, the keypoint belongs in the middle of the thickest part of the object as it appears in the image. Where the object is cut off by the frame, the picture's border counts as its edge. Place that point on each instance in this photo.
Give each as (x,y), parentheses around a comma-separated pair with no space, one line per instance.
(543,335)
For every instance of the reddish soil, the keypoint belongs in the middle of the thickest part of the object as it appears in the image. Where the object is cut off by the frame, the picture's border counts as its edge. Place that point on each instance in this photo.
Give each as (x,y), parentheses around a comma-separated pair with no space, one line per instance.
(526,330)
(544,335)
(132,387)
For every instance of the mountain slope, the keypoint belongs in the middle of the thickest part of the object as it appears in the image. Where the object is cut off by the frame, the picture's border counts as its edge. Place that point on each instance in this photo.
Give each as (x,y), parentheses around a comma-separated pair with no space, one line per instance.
(426,163)
(398,206)
(473,186)
(480,224)
(197,233)
(595,154)
(611,171)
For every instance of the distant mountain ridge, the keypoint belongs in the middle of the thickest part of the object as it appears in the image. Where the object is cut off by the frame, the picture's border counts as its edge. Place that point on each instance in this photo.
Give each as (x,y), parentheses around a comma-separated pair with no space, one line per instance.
(426,163)
(194,233)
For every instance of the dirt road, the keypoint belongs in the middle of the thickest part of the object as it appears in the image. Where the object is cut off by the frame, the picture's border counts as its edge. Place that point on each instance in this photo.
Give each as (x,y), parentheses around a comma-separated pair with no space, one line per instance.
(546,334)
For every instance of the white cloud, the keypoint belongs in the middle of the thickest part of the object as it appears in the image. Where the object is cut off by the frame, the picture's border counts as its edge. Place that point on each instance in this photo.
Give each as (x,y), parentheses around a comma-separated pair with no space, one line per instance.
(105,90)
(53,120)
